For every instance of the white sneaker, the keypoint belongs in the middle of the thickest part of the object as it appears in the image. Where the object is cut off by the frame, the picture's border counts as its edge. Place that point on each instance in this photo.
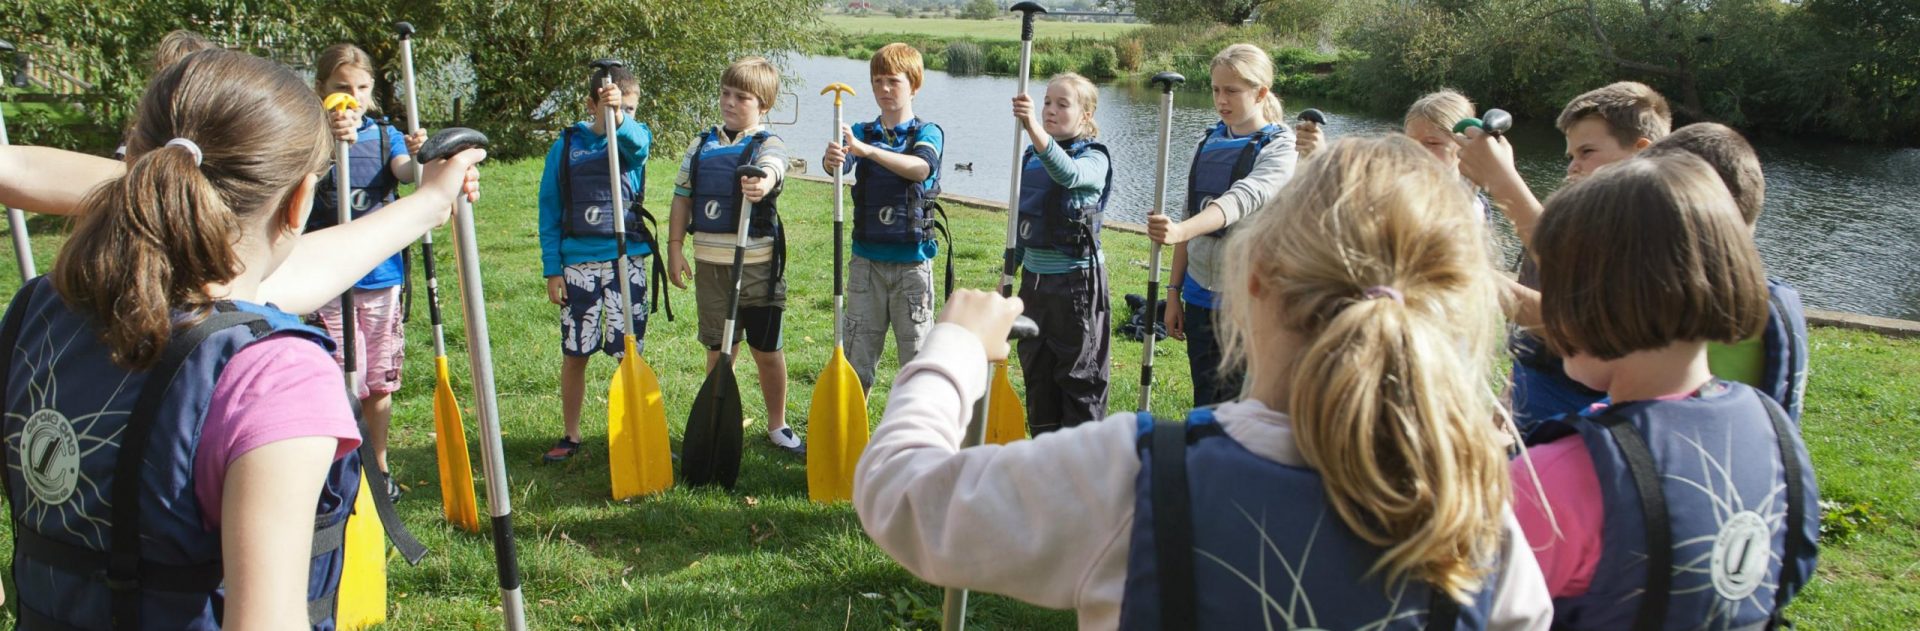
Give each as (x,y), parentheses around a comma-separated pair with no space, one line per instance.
(784,438)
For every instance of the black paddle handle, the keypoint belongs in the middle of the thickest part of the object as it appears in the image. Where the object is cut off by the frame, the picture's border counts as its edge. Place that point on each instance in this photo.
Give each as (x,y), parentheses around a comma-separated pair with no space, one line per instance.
(1027,11)
(1314,116)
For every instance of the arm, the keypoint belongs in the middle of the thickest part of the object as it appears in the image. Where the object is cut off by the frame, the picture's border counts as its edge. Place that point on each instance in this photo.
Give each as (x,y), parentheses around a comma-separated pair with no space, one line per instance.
(1271,172)
(51,181)
(550,210)
(636,145)
(402,149)
(772,158)
(266,555)
(1488,162)
(1087,171)
(1520,599)
(1175,317)
(1521,303)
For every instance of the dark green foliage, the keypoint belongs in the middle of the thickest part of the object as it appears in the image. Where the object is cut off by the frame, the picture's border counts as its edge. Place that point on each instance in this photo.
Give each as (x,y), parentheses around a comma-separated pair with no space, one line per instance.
(965,58)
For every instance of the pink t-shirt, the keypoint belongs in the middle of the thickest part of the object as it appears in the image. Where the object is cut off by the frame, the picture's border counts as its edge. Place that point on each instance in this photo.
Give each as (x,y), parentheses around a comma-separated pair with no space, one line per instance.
(280,388)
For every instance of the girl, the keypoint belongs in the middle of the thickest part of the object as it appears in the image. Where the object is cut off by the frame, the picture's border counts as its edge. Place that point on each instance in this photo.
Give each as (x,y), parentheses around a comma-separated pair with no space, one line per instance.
(1360,461)
(165,424)
(1063,193)
(1680,500)
(1241,163)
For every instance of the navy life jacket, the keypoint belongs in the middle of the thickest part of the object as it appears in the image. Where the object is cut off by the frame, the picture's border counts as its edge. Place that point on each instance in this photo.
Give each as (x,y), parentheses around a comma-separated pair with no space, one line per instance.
(1220,161)
(372,187)
(1784,374)
(1249,542)
(1712,516)
(585,199)
(716,190)
(92,447)
(1047,220)
(886,207)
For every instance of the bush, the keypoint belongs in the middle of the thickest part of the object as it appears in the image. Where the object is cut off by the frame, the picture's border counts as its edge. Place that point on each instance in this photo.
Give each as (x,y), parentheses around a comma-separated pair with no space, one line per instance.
(1003,59)
(980,10)
(965,58)
(1101,63)
(1130,53)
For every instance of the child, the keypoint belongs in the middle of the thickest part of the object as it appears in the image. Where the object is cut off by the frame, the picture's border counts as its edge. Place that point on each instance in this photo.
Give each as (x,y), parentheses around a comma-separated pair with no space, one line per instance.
(578,251)
(1063,193)
(1241,162)
(380,160)
(173,47)
(1776,360)
(252,455)
(1601,127)
(1679,500)
(1361,306)
(706,202)
(896,164)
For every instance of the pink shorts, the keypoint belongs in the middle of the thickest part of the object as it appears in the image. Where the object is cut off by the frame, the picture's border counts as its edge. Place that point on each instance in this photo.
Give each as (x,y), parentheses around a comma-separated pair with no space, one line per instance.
(379,340)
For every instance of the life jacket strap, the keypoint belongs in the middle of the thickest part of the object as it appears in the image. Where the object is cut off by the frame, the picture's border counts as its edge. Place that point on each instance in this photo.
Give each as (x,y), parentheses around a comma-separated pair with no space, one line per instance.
(1653,515)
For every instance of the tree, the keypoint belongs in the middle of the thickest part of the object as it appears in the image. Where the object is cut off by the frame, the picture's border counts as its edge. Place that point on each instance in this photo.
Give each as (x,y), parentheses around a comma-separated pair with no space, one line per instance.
(980,10)
(1229,12)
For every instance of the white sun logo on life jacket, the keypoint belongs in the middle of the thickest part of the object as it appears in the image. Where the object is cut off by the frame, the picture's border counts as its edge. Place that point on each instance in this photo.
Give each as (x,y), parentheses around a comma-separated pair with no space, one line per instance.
(886,215)
(592,215)
(51,454)
(359,199)
(1026,229)
(713,209)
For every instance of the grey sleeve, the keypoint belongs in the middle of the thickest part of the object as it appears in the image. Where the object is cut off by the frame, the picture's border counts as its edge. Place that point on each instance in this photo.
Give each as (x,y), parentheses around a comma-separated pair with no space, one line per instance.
(773,157)
(1271,171)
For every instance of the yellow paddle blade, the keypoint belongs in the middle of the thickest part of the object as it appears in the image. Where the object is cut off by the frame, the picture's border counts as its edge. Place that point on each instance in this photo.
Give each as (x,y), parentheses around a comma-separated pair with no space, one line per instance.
(450,443)
(363,581)
(1006,416)
(836,431)
(638,455)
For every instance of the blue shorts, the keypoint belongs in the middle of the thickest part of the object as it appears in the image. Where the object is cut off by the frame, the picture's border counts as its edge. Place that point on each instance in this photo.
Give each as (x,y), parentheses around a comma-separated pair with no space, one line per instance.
(591,319)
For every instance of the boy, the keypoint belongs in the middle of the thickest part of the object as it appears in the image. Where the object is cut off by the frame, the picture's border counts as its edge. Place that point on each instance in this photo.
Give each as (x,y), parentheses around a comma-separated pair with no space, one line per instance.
(577,249)
(1602,127)
(896,166)
(706,202)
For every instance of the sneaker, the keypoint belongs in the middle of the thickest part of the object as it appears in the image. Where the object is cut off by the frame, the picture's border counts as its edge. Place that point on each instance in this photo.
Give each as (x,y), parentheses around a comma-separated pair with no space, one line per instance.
(562,450)
(393,489)
(785,439)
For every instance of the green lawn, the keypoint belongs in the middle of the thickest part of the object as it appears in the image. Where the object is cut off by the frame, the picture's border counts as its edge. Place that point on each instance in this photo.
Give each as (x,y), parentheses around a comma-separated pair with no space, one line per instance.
(765,558)
(1006,28)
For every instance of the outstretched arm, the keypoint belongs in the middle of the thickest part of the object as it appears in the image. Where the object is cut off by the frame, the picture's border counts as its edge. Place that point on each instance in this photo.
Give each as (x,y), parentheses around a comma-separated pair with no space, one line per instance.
(51,181)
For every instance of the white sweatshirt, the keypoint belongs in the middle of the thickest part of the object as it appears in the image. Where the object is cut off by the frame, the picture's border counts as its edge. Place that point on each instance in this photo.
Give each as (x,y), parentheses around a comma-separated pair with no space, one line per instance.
(1047,520)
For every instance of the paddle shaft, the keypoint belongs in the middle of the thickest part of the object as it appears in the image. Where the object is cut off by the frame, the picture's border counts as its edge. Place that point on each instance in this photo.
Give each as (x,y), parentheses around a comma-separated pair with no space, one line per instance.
(426,240)
(608,113)
(839,223)
(739,264)
(1153,253)
(17,223)
(343,194)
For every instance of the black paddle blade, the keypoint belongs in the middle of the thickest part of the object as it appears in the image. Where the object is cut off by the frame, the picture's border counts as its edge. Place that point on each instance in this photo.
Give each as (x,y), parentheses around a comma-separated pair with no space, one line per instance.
(710,452)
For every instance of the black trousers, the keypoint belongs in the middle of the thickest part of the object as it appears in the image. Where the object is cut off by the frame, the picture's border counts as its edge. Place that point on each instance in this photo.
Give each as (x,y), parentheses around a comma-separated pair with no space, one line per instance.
(1066,367)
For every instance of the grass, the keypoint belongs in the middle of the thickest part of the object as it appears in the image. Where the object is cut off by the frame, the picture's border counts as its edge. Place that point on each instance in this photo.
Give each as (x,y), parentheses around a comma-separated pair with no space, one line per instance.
(765,557)
(1007,28)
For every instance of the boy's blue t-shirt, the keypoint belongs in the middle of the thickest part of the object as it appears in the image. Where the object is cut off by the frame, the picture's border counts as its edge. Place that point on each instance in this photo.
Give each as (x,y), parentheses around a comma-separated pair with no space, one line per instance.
(929,146)
(557,250)
(1192,293)
(393,271)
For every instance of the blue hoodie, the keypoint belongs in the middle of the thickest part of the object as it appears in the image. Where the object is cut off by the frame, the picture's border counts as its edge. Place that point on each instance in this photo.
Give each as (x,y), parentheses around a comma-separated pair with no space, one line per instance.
(557,250)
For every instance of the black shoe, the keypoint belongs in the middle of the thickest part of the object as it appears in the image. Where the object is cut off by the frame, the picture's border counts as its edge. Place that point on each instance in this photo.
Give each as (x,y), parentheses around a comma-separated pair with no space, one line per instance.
(562,450)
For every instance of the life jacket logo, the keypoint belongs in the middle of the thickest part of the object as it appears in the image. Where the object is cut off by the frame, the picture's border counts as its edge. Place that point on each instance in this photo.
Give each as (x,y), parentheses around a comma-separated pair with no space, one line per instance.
(1026,229)
(51,454)
(713,209)
(592,215)
(1741,555)
(578,153)
(359,199)
(886,215)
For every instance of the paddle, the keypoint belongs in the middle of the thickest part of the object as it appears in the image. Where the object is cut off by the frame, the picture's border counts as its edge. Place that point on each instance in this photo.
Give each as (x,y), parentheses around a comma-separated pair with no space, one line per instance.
(953,612)
(1495,122)
(1167,82)
(711,448)
(450,141)
(343,207)
(16,220)
(837,417)
(457,503)
(638,456)
(1006,417)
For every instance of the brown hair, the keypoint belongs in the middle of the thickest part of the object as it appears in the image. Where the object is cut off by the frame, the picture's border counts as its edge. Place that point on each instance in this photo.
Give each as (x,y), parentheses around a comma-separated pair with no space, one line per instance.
(148,243)
(898,58)
(1630,109)
(342,54)
(1374,257)
(176,45)
(754,75)
(1645,253)
(1730,156)
(620,76)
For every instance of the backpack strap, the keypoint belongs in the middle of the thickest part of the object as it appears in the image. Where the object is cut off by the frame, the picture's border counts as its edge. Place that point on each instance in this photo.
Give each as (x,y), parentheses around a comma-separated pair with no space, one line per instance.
(1172,524)
(657,279)
(1250,153)
(1783,370)
(940,226)
(410,548)
(1443,612)
(1653,515)
(1796,511)
(566,183)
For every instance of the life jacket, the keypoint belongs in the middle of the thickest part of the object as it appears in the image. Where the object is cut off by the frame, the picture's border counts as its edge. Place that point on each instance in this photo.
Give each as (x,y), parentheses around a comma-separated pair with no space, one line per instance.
(1712,515)
(716,190)
(107,530)
(886,207)
(372,185)
(1249,542)
(1784,373)
(585,199)
(1221,160)
(1047,220)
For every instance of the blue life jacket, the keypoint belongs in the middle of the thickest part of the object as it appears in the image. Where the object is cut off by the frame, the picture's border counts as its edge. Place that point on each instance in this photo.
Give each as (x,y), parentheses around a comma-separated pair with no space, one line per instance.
(1047,220)
(1784,374)
(586,201)
(1220,161)
(372,185)
(93,447)
(716,190)
(886,207)
(1250,542)
(1711,511)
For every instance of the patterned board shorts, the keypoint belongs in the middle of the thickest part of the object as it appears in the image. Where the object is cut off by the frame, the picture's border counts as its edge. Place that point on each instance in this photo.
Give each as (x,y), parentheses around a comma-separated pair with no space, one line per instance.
(591,319)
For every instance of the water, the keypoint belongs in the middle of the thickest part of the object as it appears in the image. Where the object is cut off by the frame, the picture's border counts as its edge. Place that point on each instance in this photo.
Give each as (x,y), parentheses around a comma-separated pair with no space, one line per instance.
(1839,221)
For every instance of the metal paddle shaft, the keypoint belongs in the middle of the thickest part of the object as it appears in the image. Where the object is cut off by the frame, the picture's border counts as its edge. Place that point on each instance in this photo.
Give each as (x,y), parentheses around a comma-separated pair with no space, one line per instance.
(426,240)
(480,349)
(609,113)
(739,259)
(953,612)
(1167,82)
(343,211)
(839,90)
(1027,11)
(16,220)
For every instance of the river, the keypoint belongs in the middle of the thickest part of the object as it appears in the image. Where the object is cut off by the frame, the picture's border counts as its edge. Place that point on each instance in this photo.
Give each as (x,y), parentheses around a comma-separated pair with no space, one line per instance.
(1840,221)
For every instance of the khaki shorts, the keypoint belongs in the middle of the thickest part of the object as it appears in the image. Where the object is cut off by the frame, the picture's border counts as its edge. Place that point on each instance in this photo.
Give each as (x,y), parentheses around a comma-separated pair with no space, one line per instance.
(761,312)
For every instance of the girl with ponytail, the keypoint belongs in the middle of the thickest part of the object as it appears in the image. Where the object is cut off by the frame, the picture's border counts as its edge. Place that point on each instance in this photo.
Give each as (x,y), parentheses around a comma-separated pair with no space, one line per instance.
(204,417)
(1357,484)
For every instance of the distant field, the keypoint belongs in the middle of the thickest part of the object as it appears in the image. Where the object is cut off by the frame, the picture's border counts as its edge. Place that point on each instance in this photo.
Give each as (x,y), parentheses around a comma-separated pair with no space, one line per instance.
(1005,28)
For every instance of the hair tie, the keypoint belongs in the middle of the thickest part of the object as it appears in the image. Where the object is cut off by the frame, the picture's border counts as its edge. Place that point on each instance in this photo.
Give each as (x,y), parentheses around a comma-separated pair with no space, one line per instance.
(1383,291)
(191,148)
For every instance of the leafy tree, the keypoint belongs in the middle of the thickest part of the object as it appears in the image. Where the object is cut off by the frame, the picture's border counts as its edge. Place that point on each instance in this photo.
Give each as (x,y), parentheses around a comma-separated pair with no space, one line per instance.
(980,10)
(1228,12)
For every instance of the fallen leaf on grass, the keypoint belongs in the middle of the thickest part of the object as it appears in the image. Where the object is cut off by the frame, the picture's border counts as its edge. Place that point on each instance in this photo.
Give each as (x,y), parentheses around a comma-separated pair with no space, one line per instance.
(548,602)
(751,501)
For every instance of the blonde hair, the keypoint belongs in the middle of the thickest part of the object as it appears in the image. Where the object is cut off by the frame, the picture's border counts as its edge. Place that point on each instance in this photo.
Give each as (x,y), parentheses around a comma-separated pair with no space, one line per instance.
(1440,109)
(754,75)
(1085,95)
(1372,255)
(1251,64)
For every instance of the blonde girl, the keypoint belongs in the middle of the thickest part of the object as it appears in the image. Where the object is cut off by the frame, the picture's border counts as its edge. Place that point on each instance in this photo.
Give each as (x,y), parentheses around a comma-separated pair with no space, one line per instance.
(1357,485)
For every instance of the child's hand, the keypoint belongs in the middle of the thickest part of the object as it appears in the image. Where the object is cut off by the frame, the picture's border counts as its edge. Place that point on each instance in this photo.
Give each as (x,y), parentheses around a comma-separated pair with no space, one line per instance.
(454,176)
(345,123)
(987,315)
(756,188)
(1024,113)
(836,157)
(1306,138)
(1485,159)
(1175,318)
(1163,230)
(415,140)
(677,270)
(556,291)
(854,146)
(609,94)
